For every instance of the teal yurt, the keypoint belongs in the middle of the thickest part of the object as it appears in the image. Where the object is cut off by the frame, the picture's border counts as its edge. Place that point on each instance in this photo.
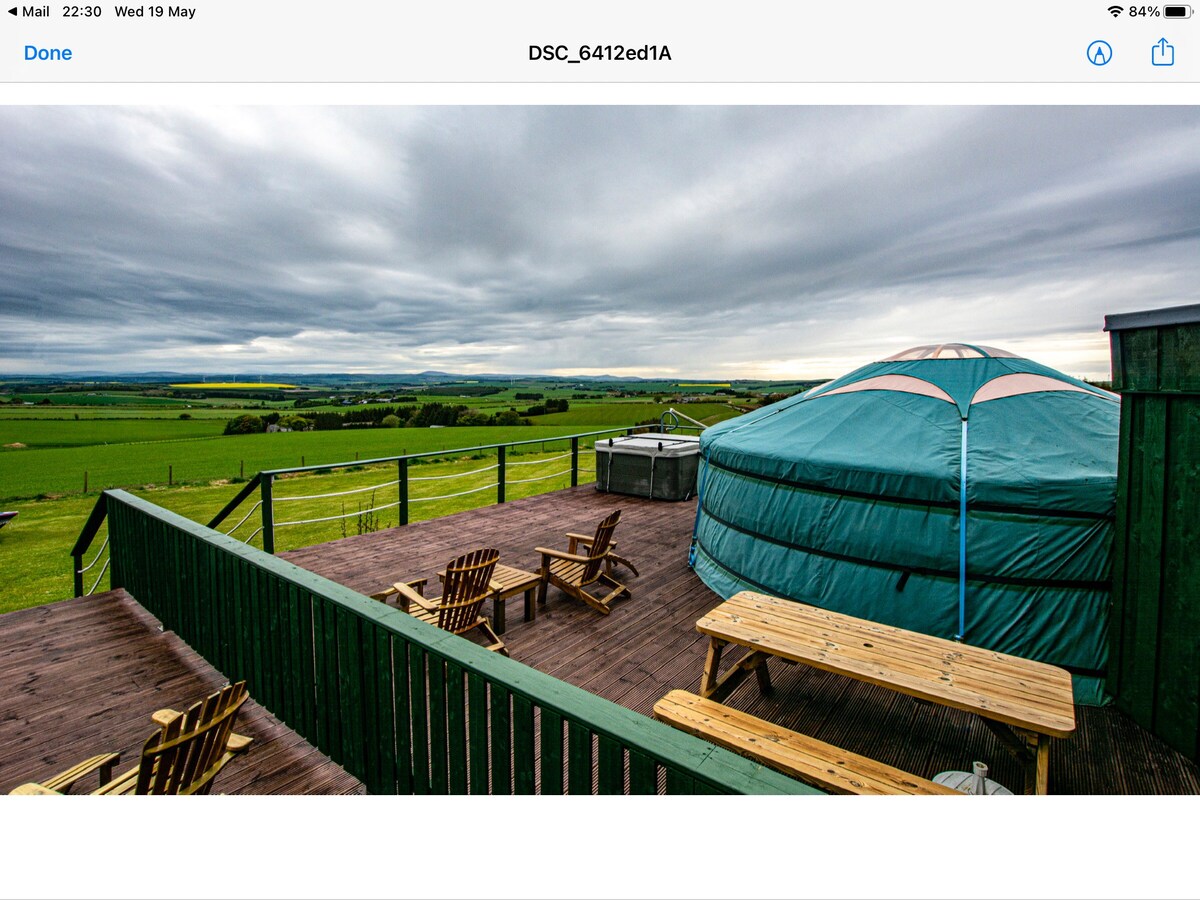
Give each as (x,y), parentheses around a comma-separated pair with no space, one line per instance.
(955,490)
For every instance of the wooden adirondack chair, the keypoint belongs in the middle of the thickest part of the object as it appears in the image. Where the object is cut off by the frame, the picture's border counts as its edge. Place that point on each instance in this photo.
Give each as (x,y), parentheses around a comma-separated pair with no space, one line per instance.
(466,586)
(573,571)
(182,757)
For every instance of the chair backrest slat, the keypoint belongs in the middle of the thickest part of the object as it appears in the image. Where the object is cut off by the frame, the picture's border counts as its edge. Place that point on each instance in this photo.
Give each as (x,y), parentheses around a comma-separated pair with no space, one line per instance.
(467,585)
(599,548)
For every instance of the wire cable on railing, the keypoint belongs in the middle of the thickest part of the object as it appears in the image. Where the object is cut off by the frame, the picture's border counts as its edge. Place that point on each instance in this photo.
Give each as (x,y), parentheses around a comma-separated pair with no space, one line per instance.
(95,559)
(459,475)
(449,496)
(96,583)
(244,518)
(361,512)
(362,490)
(540,478)
(538,462)
(253,535)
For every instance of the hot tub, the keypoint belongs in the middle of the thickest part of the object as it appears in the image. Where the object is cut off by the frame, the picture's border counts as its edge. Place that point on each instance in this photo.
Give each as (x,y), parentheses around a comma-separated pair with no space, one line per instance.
(661,466)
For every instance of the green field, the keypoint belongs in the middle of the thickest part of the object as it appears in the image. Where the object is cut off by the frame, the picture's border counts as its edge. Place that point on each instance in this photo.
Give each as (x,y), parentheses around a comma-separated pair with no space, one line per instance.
(28,474)
(614,414)
(88,398)
(140,445)
(43,433)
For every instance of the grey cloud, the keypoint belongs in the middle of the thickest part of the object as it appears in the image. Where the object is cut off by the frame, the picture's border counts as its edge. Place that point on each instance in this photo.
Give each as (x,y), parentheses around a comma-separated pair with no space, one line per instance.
(649,239)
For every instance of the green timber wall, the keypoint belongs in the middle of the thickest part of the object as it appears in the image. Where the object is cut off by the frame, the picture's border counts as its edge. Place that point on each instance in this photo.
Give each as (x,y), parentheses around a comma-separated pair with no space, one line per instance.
(1154,661)
(402,705)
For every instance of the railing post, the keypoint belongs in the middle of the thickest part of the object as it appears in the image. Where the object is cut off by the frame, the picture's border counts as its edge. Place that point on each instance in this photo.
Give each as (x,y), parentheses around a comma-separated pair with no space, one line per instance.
(78,557)
(574,462)
(402,489)
(500,475)
(268,515)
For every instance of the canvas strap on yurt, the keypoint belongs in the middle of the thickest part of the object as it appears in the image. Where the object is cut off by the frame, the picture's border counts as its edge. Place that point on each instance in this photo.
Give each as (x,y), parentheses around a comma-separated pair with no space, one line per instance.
(962,536)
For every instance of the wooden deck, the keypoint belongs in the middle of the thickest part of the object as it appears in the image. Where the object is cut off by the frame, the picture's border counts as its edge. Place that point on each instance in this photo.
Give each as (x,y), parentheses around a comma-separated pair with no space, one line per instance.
(649,645)
(83,676)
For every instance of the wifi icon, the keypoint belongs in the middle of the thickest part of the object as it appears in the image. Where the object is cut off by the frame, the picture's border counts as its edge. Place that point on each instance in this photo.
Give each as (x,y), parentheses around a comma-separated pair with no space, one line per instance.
(1115,11)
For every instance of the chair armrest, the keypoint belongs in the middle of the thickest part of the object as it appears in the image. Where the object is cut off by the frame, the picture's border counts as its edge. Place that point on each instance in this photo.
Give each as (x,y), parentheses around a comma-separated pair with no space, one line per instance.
(64,781)
(411,593)
(586,540)
(559,554)
(32,789)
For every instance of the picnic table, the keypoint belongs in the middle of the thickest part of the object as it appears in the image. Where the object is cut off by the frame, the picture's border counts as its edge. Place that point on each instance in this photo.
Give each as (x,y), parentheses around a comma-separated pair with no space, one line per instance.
(1024,702)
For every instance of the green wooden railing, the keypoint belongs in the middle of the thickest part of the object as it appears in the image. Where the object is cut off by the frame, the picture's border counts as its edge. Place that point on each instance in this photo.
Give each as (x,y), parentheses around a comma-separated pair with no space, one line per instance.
(403,706)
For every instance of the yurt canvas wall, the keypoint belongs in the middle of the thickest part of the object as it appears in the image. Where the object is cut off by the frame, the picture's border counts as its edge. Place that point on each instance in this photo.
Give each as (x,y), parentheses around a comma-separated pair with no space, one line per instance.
(850,497)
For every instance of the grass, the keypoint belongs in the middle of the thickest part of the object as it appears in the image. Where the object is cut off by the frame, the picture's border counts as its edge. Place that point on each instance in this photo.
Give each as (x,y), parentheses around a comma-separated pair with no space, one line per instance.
(42,433)
(91,398)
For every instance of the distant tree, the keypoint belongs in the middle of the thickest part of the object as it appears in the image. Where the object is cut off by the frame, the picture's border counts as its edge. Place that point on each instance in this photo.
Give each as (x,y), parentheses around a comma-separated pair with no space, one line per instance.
(326,421)
(510,417)
(246,424)
(436,414)
(391,421)
(181,415)
(294,423)
(473,417)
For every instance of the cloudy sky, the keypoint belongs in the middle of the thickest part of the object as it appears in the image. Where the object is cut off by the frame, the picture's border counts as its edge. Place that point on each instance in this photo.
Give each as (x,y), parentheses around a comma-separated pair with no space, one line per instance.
(777,242)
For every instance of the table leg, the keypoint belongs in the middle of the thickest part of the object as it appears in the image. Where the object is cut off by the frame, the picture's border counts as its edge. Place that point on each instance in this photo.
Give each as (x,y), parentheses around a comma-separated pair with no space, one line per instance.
(1032,751)
(530,606)
(763,676)
(498,610)
(708,681)
(1043,766)
(712,687)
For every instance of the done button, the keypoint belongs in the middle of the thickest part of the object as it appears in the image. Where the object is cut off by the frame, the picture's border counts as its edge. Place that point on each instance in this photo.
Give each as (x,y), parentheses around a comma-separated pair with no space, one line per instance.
(46,54)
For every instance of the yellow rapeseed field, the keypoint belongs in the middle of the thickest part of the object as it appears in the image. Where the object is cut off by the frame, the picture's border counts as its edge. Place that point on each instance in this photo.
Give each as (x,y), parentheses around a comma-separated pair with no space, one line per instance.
(233,386)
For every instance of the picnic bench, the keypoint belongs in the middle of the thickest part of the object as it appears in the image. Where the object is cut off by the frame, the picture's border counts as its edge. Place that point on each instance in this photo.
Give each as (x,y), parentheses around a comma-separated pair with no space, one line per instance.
(790,752)
(1025,703)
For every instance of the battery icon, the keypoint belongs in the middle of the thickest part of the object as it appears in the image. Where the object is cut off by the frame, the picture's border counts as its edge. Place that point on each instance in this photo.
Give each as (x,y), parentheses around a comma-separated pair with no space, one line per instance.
(1177,12)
